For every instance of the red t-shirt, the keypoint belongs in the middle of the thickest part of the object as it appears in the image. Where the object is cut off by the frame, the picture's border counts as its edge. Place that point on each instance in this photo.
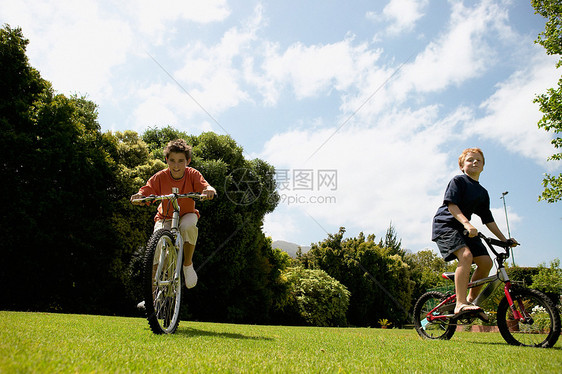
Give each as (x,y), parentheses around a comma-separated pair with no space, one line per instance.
(162,182)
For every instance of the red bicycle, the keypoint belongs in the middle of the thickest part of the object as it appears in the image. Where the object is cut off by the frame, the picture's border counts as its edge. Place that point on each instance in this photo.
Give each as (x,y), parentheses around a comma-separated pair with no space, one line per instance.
(525,316)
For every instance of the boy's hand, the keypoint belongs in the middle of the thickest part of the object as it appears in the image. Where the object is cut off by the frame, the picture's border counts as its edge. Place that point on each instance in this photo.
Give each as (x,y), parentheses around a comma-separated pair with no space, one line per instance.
(512,242)
(135,197)
(208,193)
(471,230)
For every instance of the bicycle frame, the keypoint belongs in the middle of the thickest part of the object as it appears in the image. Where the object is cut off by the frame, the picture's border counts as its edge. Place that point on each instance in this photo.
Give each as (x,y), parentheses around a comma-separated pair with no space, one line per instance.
(493,282)
(524,316)
(173,197)
(177,235)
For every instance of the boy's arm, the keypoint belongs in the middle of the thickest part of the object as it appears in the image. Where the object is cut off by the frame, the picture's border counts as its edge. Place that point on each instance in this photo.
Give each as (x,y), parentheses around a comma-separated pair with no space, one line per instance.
(493,227)
(497,232)
(145,191)
(459,216)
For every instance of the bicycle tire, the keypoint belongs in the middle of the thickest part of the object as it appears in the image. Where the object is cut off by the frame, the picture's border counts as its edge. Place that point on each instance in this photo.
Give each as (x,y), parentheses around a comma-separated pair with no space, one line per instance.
(544,328)
(442,330)
(162,292)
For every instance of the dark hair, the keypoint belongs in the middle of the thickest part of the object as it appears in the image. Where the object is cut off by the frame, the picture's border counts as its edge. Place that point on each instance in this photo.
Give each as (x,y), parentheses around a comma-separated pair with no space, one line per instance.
(178,146)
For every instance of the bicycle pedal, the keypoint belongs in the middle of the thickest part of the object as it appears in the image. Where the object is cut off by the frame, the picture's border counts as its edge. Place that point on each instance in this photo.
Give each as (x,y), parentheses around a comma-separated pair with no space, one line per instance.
(483,316)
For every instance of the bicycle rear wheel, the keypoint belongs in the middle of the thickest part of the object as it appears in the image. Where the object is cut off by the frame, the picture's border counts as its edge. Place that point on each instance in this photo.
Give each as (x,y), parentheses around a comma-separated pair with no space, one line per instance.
(437,329)
(540,329)
(162,286)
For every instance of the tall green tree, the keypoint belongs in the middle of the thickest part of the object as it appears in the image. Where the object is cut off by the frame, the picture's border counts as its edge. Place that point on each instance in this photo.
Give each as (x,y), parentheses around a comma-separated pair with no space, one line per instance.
(58,244)
(550,103)
(426,269)
(392,242)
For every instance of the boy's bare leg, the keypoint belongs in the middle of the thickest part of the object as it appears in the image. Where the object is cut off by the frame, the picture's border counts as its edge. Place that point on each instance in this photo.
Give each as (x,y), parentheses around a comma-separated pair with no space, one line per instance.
(188,271)
(462,275)
(483,267)
(188,250)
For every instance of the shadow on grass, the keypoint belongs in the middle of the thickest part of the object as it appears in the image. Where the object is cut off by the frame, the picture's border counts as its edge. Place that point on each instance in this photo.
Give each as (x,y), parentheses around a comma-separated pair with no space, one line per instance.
(191,332)
(556,346)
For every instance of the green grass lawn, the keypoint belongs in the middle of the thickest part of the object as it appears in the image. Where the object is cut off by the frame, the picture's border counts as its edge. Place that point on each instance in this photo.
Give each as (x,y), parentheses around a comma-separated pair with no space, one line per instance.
(49,343)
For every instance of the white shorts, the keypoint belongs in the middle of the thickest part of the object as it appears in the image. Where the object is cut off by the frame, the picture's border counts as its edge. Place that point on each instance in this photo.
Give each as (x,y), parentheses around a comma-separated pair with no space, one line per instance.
(188,227)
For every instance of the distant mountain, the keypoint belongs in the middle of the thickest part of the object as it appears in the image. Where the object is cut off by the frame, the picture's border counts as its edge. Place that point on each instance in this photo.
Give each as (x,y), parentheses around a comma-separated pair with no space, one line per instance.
(290,248)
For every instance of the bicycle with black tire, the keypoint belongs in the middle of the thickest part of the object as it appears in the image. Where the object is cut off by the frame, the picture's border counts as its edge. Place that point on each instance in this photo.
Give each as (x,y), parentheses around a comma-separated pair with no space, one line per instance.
(162,269)
(525,317)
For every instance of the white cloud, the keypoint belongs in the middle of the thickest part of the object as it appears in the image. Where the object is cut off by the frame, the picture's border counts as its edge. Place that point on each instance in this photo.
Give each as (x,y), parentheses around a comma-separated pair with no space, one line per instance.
(280,225)
(400,15)
(511,116)
(167,104)
(403,14)
(78,45)
(75,44)
(154,19)
(214,75)
(499,217)
(460,54)
(316,69)
(155,103)
(209,79)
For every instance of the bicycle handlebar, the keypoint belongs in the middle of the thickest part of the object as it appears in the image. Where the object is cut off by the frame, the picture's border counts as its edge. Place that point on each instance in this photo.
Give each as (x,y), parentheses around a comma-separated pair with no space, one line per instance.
(192,195)
(507,244)
(495,242)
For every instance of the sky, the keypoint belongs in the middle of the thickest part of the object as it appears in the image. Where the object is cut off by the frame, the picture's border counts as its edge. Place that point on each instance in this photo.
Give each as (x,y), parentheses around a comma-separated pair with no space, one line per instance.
(362,107)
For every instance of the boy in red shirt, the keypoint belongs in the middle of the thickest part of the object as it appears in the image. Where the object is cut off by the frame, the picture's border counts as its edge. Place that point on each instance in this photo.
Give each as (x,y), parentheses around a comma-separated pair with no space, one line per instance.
(187,180)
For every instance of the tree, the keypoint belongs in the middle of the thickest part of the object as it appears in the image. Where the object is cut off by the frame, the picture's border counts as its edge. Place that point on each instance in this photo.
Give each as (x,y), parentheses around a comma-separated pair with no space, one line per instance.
(392,242)
(426,269)
(133,165)
(377,277)
(59,246)
(550,103)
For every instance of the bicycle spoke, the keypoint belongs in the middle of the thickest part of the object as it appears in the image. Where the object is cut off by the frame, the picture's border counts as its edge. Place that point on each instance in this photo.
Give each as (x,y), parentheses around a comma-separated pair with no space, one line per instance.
(432,328)
(540,325)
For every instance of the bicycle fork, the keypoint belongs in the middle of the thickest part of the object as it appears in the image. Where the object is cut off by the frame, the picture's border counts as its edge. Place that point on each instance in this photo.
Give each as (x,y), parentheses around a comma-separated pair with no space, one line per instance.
(518,310)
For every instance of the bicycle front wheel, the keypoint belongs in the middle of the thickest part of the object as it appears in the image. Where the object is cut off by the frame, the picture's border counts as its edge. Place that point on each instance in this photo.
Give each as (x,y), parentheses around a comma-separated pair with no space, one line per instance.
(541,324)
(162,286)
(438,328)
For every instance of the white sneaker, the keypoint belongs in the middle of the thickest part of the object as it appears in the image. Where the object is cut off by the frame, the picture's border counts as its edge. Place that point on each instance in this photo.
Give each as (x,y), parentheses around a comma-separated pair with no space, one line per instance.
(190,276)
(141,305)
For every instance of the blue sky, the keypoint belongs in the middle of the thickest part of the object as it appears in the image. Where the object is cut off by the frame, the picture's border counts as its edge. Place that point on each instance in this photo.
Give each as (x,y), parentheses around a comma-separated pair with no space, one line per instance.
(371,101)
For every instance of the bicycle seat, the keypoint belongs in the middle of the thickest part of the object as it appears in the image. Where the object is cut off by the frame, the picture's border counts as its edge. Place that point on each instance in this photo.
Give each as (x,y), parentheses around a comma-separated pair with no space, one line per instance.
(449,275)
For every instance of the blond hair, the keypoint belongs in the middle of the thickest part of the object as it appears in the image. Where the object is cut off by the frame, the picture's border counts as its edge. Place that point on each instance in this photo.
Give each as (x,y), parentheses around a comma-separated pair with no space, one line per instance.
(464,153)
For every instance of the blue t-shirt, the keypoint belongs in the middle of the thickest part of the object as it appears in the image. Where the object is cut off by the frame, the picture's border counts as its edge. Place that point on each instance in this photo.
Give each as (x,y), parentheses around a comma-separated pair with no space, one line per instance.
(470,197)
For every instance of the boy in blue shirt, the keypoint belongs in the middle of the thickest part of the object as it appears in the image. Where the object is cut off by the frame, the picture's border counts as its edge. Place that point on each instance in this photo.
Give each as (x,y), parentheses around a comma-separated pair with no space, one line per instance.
(465,196)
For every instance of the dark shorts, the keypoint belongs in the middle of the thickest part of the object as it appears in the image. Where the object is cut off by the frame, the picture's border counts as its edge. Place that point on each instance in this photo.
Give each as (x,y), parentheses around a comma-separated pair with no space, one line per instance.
(451,241)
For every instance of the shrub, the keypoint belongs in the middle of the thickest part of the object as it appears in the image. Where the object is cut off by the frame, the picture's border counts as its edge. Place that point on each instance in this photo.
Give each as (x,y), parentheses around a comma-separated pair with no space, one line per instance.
(316,298)
(549,279)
